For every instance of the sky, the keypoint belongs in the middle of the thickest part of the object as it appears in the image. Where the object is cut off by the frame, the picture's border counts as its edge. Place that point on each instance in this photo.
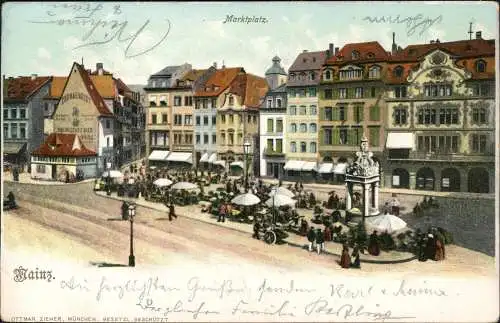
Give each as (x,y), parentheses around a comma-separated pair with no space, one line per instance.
(46,38)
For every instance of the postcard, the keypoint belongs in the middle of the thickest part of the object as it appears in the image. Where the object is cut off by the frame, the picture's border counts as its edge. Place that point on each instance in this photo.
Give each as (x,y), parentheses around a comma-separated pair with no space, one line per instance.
(250,162)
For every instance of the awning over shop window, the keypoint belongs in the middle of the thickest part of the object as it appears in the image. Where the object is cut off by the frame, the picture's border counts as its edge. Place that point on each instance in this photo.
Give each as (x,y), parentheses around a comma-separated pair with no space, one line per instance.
(400,140)
(13,147)
(159,155)
(326,168)
(204,158)
(294,165)
(308,166)
(237,164)
(212,158)
(340,168)
(220,163)
(180,157)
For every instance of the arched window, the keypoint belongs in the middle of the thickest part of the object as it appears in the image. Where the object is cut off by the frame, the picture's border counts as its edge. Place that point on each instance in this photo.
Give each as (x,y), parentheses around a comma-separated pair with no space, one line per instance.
(374,72)
(312,128)
(303,147)
(398,71)
(293,127)
(302,110)
(313,110)
(480,66)
(328,75)
(293,147)
(231,100)
(312,147)
(303,127)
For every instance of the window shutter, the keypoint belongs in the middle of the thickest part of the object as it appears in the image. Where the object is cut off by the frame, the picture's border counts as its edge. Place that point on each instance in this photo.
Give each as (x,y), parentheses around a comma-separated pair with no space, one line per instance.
(335,93)
(321,138)
(322,113)
(374,113)
(279,145)
(361,110)
(346,113)
(269,125)
(349,137)
(374,136)
(335,113)
(336,136)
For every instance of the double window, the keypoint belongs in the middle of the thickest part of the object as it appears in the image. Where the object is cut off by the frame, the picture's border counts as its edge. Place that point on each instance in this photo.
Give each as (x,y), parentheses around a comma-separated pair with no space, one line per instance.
(400,116)
(437,90)
(479,115)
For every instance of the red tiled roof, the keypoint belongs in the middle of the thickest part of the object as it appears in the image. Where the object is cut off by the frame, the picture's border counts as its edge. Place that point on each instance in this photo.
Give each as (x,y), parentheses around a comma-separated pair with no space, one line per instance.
(61,145)
(368,52)
(256,88)
(104,84)
(94,94)
(470,65)
(21,88)
(391,78)
(221,79)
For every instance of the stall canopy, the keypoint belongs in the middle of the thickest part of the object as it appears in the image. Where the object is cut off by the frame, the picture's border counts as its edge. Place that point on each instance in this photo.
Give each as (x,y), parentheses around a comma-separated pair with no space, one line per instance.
(204,158)
(220,162)
(158,155)
(212,158)
(325,168)
(340,168)
(294,165)
(180,157)
(237,164)
(400,140)
(308,166)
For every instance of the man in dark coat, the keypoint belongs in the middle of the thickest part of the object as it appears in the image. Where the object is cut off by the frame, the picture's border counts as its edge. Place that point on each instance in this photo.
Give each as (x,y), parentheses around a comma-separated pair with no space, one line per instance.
(311,237)
(228,186)
(430,247)
(256,229)
(320,241)
(422,242)
(345,259)
(171,212)
(373,245)
(356,263)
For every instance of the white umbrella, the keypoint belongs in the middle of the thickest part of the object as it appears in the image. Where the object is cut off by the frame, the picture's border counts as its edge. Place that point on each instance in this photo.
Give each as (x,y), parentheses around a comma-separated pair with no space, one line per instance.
(184,186)
(282,191)
(161,182)
(280,200)
(385,222)
(112,174)
(246,199)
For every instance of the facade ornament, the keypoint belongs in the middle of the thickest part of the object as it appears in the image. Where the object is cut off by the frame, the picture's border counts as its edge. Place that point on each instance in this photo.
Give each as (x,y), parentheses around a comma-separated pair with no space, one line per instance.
(364,165)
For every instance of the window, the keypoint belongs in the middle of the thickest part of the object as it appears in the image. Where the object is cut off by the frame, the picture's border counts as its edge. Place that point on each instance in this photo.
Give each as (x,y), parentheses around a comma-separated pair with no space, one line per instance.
(351,73)
(197,139)
(270,125)
(342,113)
(374,72)
(188,139)
(279,125)
(343,93)
(152,100)
(343,136)
(313,128)
(328,114)
(164,118)
(480,66)
(223,138)
(358,92)
(40,169)
(400,116)
(5,113)
(22,113)
(292,92)
(231,101)
(479,115)
(188,119)
(269,103)
(231,119)
(375,113)
(177,100)
(214,120)
(108,142)
(278,102)
(293,127)
(328,75)
(214,139)
(448,116)
(312,77)
(303,127)
(327,136)
(373,92)
(13,113)
(358,113)
(205,139)
(398,71)
(440,144)
(205,120)
(328,94)
(188,100)
(293,147)
(312,147)
(198,120)
(177,119)
(313,110)
(302,110)
(303,147)
(270,144)
(400,92)
(354,54)
(302,93)
(223,118)
(153,118)
(293,110)
(214,103)
(312,92)
(5,130)
(231,139)
(279,145)
(374,136)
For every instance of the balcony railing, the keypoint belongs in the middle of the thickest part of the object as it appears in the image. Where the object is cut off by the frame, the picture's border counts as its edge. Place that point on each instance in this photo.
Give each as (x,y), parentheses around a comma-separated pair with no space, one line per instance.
(441,156)
(272,152)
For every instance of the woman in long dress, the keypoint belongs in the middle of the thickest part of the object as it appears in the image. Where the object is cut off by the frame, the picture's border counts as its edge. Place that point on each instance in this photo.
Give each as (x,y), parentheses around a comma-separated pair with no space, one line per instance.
(356,263)
(345,259)
(373,245)
(439,250)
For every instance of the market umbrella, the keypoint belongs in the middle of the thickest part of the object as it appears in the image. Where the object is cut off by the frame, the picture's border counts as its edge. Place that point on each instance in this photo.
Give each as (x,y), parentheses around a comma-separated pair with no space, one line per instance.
(385,222)
(161,182)
(280,200)
(355,211)
(112,174)
(344,227)
(282,191)
(184,186)
(246,199)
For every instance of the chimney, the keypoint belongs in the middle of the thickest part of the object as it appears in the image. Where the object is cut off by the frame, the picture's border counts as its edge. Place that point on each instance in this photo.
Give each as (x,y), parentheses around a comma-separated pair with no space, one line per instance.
(437,41)
(336,51)
(223,65)
(99,68)
(394,46)
(33,77)
(478,35)
(304,51)
(215,64)
(330,49)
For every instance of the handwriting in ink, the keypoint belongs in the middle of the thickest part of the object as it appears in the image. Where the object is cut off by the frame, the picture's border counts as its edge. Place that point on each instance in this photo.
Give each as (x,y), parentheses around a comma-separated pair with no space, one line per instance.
(241,308)
(72,284)
(225,288)
(341,291)
(403,290)
(291,288)
(412,22)
(144,288)
(177,308)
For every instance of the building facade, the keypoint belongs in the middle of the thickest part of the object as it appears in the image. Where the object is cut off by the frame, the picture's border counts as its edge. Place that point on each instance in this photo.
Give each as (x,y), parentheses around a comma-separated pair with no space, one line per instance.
(351,104)
(441,117)
(23,117)
(302,114)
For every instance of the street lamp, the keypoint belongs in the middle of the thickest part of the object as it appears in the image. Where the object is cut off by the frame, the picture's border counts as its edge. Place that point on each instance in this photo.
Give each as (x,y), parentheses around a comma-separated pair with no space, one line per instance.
(131,215)
(246,150)
(274,191)
(108,166)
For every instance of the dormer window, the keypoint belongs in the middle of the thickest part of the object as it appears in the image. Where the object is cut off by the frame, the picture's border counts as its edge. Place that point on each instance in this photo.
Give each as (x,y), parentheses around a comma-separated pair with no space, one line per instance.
(480,66)
(292,76)
(314,59)
(411,51)
(355,54)
(398,71)
(231,100)
(278,102)
(328,75)
(164,83)
(304,60)
(153,83)
(312,76)
(370,55)
(269,103)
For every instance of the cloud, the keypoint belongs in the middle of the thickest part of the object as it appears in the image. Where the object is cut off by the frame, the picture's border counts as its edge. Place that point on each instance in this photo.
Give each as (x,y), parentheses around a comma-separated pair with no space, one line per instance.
(43,53)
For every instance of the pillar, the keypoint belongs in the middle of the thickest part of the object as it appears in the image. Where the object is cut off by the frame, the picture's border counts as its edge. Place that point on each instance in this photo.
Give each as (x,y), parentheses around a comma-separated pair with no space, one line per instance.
(348,201)
(437,179)
(366,200)
(464,180)
(375,194)
(413,180)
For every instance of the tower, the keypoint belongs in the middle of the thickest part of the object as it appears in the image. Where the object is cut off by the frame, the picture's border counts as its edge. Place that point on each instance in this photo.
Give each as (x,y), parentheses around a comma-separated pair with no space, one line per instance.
(275,75)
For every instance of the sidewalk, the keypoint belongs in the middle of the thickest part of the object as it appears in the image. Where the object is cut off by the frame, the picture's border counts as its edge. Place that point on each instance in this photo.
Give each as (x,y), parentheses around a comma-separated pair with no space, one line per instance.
(331,248)
(25,178)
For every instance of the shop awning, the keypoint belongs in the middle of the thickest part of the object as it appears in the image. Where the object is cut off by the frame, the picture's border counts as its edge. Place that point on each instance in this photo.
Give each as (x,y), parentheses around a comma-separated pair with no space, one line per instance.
(212,158)
(340,168)
(400,140)
(180,157)
(204,158)
(160,155)
(13,147)
(308,166)
(294,165)
(220,163)
(237,164)
(326,168)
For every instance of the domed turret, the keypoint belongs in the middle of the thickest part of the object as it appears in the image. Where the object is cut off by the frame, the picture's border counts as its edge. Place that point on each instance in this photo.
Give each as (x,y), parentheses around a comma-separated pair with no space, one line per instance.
(276,74)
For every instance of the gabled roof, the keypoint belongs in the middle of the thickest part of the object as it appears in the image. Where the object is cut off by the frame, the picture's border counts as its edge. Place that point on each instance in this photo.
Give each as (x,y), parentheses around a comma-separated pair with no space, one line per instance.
(104,84)
(62,145)
(251,88)
(219,81)
(94,94)
(193,75)
(23,87)
(368,52)
(391,78)
(308,61)
(169,70)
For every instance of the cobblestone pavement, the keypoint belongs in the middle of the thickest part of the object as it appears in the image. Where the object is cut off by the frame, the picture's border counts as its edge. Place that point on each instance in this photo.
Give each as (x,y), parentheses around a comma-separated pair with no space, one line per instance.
(88,221)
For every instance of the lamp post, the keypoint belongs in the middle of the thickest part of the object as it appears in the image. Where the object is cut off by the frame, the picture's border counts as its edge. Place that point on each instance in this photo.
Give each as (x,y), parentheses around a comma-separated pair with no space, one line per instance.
(246,149)
(108,166)
(131,215)
(274,190)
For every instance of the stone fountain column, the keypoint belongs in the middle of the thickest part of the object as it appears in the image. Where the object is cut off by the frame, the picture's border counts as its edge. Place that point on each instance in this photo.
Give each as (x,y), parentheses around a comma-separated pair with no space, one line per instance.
(366,200)
(348,200)
(375,194)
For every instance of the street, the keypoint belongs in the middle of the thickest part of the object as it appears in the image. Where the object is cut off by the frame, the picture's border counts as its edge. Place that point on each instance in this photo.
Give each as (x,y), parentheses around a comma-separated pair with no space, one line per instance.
(72,222)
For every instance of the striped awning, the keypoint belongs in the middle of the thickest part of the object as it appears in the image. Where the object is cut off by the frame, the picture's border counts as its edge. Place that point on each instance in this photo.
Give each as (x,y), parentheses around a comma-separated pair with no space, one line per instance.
(326,168)
(160,155)
(204,158)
